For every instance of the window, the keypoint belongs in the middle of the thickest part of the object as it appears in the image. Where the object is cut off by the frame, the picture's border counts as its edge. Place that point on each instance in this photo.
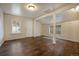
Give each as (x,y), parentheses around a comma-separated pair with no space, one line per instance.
(51,29)
(58,29)
(16,28)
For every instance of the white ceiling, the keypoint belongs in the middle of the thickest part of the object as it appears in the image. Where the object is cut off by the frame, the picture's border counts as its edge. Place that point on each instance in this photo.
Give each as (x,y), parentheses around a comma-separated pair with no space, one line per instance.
(45,20)
(19,9)
(65,16)
(43,8)
(48,19)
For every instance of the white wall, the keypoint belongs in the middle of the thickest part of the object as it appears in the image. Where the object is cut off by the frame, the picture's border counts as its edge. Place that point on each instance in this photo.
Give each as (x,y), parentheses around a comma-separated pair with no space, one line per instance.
(69,21)
(45,30)
(70,30)
(29,28)
(8,27)
(37,28)
(1,28)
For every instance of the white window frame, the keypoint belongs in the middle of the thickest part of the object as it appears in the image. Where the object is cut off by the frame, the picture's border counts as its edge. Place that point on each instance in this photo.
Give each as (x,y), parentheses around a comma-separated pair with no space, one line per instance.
(15,31)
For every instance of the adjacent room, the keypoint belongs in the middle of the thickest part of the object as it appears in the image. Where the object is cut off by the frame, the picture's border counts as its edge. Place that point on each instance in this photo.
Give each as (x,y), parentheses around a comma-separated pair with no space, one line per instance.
(39,29)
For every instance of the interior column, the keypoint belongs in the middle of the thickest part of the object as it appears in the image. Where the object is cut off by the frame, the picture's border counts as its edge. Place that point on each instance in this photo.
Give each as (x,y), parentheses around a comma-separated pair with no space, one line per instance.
(49,30)
(54,28)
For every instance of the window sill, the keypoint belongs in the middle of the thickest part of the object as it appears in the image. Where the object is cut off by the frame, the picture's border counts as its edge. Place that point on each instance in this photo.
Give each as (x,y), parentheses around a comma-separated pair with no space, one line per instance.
(15,33)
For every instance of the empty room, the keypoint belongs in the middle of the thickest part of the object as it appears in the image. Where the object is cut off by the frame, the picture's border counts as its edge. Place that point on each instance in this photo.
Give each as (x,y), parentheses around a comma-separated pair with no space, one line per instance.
(39,29)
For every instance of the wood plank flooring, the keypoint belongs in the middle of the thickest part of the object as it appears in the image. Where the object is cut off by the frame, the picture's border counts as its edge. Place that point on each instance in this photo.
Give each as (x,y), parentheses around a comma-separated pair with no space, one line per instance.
(39,47)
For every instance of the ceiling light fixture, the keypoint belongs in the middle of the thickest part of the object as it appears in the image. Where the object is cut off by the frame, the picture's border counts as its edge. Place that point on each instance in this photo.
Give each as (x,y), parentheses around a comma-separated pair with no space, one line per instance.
(75,9)
(31,7)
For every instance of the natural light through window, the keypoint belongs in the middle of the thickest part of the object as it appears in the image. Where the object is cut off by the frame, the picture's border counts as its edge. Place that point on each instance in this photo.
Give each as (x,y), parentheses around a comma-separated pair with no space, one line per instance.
(16,28)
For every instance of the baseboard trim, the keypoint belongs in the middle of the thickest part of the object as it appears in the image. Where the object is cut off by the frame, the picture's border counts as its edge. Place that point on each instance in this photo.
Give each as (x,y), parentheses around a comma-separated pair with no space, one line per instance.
(69,40)
(1,43)
(23,38)
(62,38)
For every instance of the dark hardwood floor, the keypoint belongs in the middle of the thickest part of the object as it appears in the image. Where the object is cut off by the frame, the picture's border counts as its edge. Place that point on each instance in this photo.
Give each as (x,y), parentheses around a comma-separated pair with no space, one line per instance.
(39,47)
